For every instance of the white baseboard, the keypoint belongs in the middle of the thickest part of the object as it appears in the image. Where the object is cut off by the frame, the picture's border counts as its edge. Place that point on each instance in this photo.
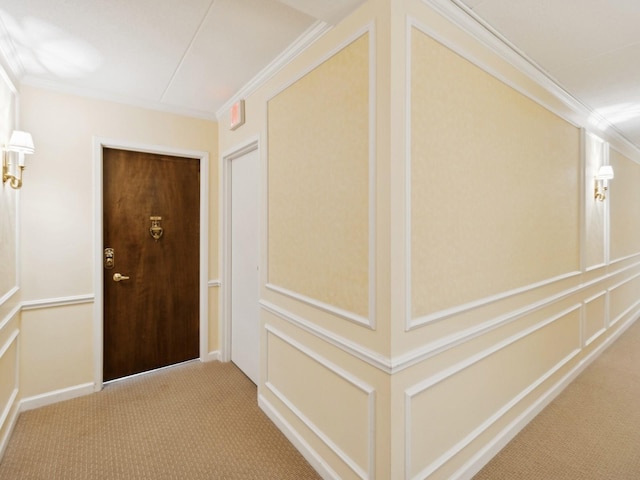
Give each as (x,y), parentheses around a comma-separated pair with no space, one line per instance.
(49,398)
(475,464)
(211,356)
(316,461)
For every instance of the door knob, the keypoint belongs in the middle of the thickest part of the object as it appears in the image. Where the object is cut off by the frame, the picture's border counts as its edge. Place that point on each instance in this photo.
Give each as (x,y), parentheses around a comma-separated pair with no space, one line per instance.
(118,277)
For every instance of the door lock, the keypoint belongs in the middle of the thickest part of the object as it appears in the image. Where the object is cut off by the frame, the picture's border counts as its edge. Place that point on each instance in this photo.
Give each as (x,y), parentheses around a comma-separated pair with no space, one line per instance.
(118,277)
(108,258)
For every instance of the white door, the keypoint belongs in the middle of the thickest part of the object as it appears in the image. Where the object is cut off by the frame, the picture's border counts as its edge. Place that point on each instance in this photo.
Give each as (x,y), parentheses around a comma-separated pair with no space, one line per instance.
(245,262)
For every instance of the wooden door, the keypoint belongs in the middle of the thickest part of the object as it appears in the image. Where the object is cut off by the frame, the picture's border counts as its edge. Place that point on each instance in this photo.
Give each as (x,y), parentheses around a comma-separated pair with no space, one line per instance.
(151,319)
(245,261)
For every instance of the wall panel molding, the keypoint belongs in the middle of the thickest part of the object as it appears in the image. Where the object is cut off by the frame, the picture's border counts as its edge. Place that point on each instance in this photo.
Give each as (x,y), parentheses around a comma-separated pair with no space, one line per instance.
(10,316)
(7,421)
(366,355)
(426,384)
(363,472)
(610,295)
(297,440)
(368,320)
(586,341)
(468,21)
(408,359)
(7,296)
(488,451)
(325,307)
(450,312)
(414,25)
(57,302)
(313,33)
(622,259)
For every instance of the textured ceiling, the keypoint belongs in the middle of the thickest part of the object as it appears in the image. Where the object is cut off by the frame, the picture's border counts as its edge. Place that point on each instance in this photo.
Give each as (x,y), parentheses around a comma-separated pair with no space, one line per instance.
(192,56)
(187,56)
(589,47)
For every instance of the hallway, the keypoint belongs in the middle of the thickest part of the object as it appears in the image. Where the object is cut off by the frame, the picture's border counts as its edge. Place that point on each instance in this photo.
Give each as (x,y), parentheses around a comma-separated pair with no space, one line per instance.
(193,421)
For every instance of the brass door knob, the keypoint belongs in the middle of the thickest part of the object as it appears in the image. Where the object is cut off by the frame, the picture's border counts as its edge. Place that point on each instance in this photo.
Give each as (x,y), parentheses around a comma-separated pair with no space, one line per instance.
(118,277)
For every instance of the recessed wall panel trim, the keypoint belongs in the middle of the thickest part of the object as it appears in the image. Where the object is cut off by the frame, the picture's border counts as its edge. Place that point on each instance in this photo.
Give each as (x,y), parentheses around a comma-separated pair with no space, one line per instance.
(432,311)
(369,356)
(57,302)
(367,319)
(7,423)
(450,312)
(362,471)
(408,359)
(331,309)
(7,296)
(488,451)
(297,440)
(5,321)
(428,383)
(586,338)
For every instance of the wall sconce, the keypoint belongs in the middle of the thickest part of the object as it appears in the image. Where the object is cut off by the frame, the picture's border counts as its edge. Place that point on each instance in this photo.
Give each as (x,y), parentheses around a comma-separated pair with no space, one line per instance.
(22,143)
(604,173)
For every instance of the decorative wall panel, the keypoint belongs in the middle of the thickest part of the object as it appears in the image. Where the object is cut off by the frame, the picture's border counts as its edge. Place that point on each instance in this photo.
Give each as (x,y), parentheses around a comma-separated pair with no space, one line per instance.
(318,180)
(494,192)
(453,408)
(624,196)
(343,420)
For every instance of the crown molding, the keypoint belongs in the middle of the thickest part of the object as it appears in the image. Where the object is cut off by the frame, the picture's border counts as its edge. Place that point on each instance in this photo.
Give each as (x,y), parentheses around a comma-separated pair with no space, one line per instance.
(466,19)
(121,99)
(313,33)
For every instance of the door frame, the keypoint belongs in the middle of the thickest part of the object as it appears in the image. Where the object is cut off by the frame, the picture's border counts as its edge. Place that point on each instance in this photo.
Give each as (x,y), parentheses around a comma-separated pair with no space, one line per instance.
(99,143)
(238,151)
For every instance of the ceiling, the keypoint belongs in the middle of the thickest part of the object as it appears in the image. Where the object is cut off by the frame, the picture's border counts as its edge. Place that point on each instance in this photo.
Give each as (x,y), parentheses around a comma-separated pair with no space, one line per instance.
(591,48)
(188,56)
(192,56)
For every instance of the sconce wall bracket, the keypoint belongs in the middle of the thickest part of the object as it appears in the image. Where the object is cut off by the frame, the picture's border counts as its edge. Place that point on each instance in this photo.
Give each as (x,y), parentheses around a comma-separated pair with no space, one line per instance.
(14,182)
(605,173)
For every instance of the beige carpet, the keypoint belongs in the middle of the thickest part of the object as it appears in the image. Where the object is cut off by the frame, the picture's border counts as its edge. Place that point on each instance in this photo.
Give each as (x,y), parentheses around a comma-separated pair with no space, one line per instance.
(193,421)
(590,431)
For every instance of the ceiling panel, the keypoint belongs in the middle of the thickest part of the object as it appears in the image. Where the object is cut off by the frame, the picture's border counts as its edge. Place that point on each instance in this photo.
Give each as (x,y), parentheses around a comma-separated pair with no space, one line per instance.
(121,47)
(559,33)
(194,55)
(237,39)
(590,47)
(329,11)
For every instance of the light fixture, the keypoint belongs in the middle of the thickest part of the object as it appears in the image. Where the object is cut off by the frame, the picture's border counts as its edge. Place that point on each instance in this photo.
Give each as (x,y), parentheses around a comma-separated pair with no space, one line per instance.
(604,173)
(22,143)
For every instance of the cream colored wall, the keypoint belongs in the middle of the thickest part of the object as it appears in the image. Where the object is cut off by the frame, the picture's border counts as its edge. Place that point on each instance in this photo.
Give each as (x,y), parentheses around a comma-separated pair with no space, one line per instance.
(492,281)
(594,216)
(320,126)
(9,196)
(624,195)
(509,293)
(58,223)
(9,292)
(323,127)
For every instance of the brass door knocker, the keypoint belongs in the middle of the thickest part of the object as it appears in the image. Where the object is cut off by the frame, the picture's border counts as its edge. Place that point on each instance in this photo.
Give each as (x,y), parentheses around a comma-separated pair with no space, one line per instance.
(156,230)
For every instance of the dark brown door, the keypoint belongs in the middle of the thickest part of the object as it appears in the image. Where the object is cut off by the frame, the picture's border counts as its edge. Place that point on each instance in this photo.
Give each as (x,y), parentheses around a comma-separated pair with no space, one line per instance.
(151,318)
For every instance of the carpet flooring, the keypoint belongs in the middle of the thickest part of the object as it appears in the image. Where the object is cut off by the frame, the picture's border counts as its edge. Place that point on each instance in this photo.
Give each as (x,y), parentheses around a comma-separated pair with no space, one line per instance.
(193,421)
(201,421)
(591,431)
